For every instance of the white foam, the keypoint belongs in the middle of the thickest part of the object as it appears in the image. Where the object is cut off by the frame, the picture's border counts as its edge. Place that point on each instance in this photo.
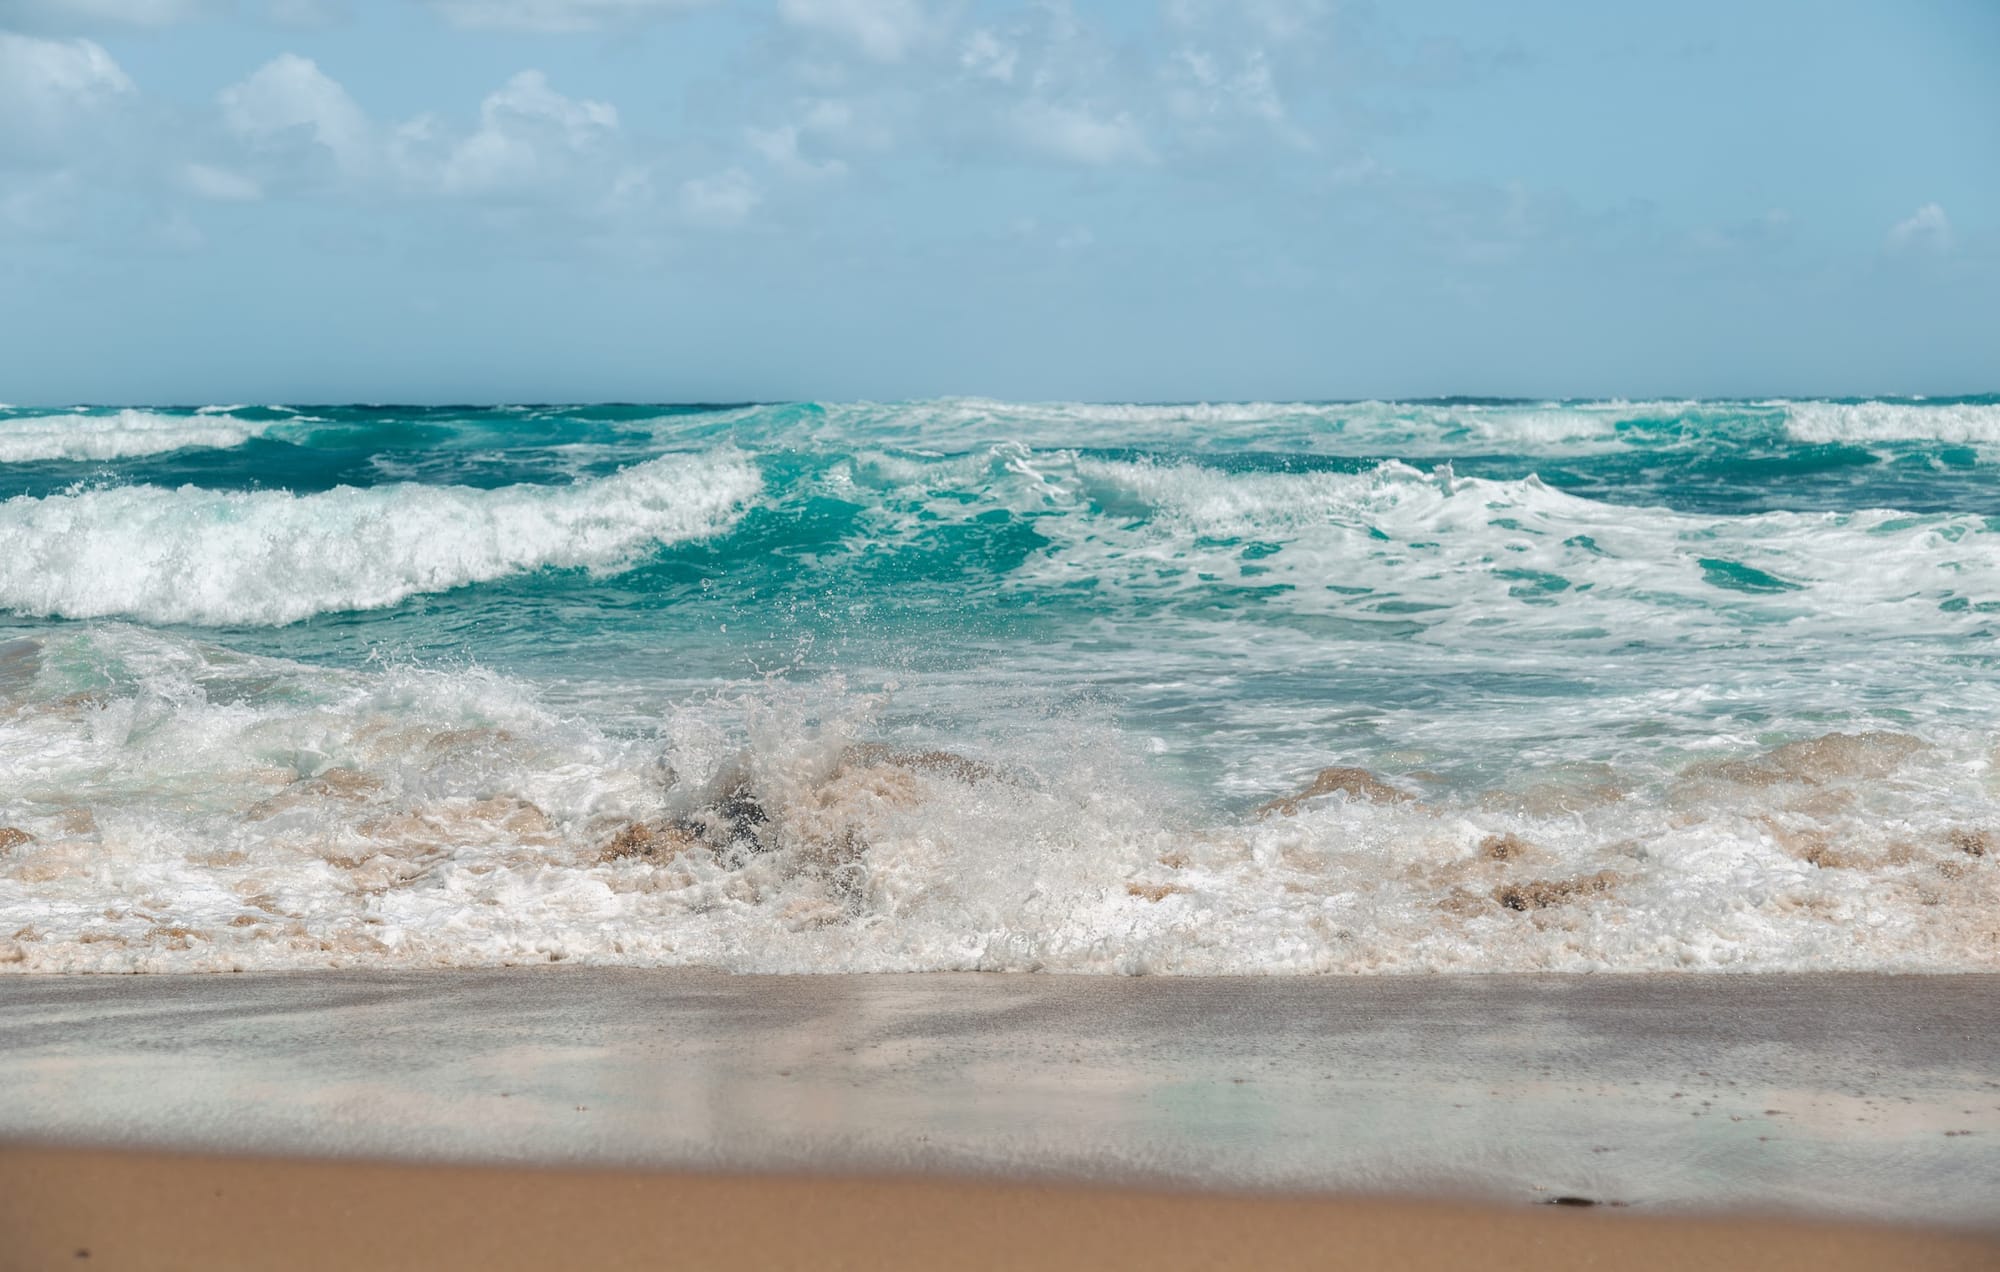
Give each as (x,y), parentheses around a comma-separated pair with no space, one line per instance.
(264,557)
(1369,428)
(1476,555)
(1474,568)
(125,434)
(209,811)
(1974,424)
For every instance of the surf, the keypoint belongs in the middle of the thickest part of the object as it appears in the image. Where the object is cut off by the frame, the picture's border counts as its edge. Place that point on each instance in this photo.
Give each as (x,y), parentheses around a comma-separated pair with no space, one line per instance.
(271,557)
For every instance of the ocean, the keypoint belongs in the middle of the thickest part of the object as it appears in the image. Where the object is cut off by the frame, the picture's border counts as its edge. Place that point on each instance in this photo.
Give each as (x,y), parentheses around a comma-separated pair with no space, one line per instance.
(1454,685)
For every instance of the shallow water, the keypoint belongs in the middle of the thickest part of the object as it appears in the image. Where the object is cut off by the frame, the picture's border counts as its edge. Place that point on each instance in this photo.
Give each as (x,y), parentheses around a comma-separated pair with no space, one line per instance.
(1824,1095)
(988,686)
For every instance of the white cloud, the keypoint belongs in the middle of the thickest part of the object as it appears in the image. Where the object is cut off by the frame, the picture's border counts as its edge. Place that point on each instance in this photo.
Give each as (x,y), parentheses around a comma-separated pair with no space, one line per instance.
(721,200)
(1052,78)
(220,184)
(807,148)
(829,116)
(884,30)
(556,15)
(835,123)
(47,85)
(1077,135)
(527,131)
(529,138)
(1207,99)
(989,57)
(1202,89)
(780,148)
(289,97)
(1770,231)
(1927,229)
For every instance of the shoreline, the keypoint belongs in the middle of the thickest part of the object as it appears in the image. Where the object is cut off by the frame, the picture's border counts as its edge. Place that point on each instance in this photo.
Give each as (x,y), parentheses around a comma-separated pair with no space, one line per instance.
(69,1208)
(564,967)
(1831,1096)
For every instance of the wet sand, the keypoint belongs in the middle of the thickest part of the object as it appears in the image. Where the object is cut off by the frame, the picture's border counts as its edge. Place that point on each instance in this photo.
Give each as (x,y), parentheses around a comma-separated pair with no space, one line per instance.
(70,1209)
(1862,1097)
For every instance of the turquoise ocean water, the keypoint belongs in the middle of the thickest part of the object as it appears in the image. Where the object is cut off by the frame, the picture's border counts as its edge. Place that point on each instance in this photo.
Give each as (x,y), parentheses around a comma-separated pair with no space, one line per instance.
(968,684)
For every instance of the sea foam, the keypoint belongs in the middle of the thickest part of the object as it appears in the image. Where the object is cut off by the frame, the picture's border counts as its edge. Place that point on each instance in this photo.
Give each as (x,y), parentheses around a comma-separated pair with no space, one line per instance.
(1368,428)
(268,557)
(1135,690)
(1976,424)
(125,434)
(1460,554)
(200,810)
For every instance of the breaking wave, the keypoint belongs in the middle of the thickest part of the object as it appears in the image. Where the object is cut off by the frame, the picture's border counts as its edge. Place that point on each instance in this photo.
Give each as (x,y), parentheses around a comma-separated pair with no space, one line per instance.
(125,434)
(1424,549)
(200,810)
(1962,423)
(1421,550)
(1334,427)
(270,557)
(1270,688)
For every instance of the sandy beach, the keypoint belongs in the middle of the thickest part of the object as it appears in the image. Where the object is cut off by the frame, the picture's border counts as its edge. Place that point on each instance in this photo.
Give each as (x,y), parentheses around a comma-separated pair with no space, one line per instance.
(73,1209)
(1174,1122)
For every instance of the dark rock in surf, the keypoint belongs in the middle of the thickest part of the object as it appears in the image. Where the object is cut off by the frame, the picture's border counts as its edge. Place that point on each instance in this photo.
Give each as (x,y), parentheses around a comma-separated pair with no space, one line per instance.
(656,841)
(1973,843)
(1540,894)
(1355,783)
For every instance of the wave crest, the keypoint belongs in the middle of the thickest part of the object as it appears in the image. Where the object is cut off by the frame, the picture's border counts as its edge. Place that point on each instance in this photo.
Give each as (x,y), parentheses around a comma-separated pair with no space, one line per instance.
(1964,423)
(125,434)
(268,557)
(1370,427)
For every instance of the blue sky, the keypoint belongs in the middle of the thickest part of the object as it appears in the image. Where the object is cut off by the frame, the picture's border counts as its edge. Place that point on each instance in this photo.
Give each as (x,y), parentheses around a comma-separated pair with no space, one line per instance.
(477,200)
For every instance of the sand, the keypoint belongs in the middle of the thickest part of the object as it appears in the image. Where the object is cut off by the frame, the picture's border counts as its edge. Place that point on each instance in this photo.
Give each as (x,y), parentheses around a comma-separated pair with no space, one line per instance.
(856,1121)
(71,1209)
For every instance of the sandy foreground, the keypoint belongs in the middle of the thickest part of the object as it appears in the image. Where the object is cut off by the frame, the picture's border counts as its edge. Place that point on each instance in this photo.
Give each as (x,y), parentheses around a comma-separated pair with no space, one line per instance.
(645,1118)
(72,1209)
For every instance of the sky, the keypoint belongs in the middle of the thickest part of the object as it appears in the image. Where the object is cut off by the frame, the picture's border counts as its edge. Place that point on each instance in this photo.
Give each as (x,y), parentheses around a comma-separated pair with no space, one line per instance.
(221,201)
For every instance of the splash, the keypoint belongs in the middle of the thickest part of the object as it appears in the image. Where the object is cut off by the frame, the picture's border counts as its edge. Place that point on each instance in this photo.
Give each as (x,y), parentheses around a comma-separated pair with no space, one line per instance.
(200,811)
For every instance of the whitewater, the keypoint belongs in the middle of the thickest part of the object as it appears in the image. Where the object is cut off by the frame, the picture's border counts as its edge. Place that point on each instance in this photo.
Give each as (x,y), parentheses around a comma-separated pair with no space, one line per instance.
(1275,688)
